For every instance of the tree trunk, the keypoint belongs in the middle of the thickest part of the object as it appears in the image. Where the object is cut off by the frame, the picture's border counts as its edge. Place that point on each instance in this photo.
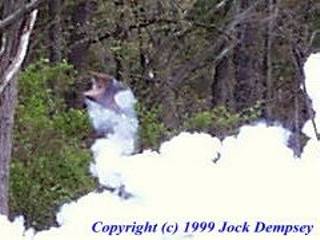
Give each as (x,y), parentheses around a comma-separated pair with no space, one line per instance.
(55,45)
(271,8)
(247,62)
(81,18)
(223,84)
(7,106)
(13,52)
(170,113)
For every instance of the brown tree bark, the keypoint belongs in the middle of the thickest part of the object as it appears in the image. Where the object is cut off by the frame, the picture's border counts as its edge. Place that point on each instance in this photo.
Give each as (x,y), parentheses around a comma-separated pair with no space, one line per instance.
(7,106)
(14,47)
(248,61)
(272,12)
(55,45)
(81,18)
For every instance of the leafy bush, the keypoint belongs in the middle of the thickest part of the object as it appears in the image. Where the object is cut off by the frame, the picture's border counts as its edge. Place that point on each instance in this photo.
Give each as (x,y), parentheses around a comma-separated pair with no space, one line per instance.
(151,129)
(220,121)
(50,160)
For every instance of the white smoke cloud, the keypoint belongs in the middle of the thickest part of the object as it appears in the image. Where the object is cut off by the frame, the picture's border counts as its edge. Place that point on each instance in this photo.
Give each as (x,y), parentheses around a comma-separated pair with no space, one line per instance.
(14,230)
(249,177)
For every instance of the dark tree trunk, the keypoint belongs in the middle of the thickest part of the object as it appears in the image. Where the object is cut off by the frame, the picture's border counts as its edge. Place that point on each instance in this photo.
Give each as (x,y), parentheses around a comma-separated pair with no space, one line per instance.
(81,17)
(247,62)
(170,113)
(223,84)
(55,35)
(272,12)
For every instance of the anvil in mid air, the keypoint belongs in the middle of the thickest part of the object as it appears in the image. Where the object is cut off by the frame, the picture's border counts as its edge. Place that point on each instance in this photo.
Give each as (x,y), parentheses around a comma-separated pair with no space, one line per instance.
(104,91)
(111,107)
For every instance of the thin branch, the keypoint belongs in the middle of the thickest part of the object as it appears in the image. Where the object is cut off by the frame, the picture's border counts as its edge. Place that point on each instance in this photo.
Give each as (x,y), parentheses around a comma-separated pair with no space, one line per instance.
(3,44)
(148,23)
(299,57)
(313,36)
(14,67)
(313,121)
(225,31)
(19,13)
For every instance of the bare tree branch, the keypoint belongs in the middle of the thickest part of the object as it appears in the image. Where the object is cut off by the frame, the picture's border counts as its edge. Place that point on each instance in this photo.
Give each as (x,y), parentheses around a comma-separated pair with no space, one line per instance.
(312,38)
(26,9)
(299,59)
(3,44)
(21,52)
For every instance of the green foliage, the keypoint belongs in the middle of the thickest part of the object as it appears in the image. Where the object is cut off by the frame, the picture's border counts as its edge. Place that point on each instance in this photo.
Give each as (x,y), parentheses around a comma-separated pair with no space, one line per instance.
(50,161)
(151,129)
(220,121)
(206,11)
(252,113)
(200,120)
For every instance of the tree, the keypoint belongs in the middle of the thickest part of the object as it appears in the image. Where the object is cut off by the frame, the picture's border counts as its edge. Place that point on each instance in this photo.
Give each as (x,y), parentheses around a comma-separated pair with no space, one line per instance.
(16,27)
(54,32)
(81,16)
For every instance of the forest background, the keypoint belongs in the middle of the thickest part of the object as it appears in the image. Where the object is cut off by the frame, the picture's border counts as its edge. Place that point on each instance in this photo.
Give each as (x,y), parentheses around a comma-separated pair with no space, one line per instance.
(196,65)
